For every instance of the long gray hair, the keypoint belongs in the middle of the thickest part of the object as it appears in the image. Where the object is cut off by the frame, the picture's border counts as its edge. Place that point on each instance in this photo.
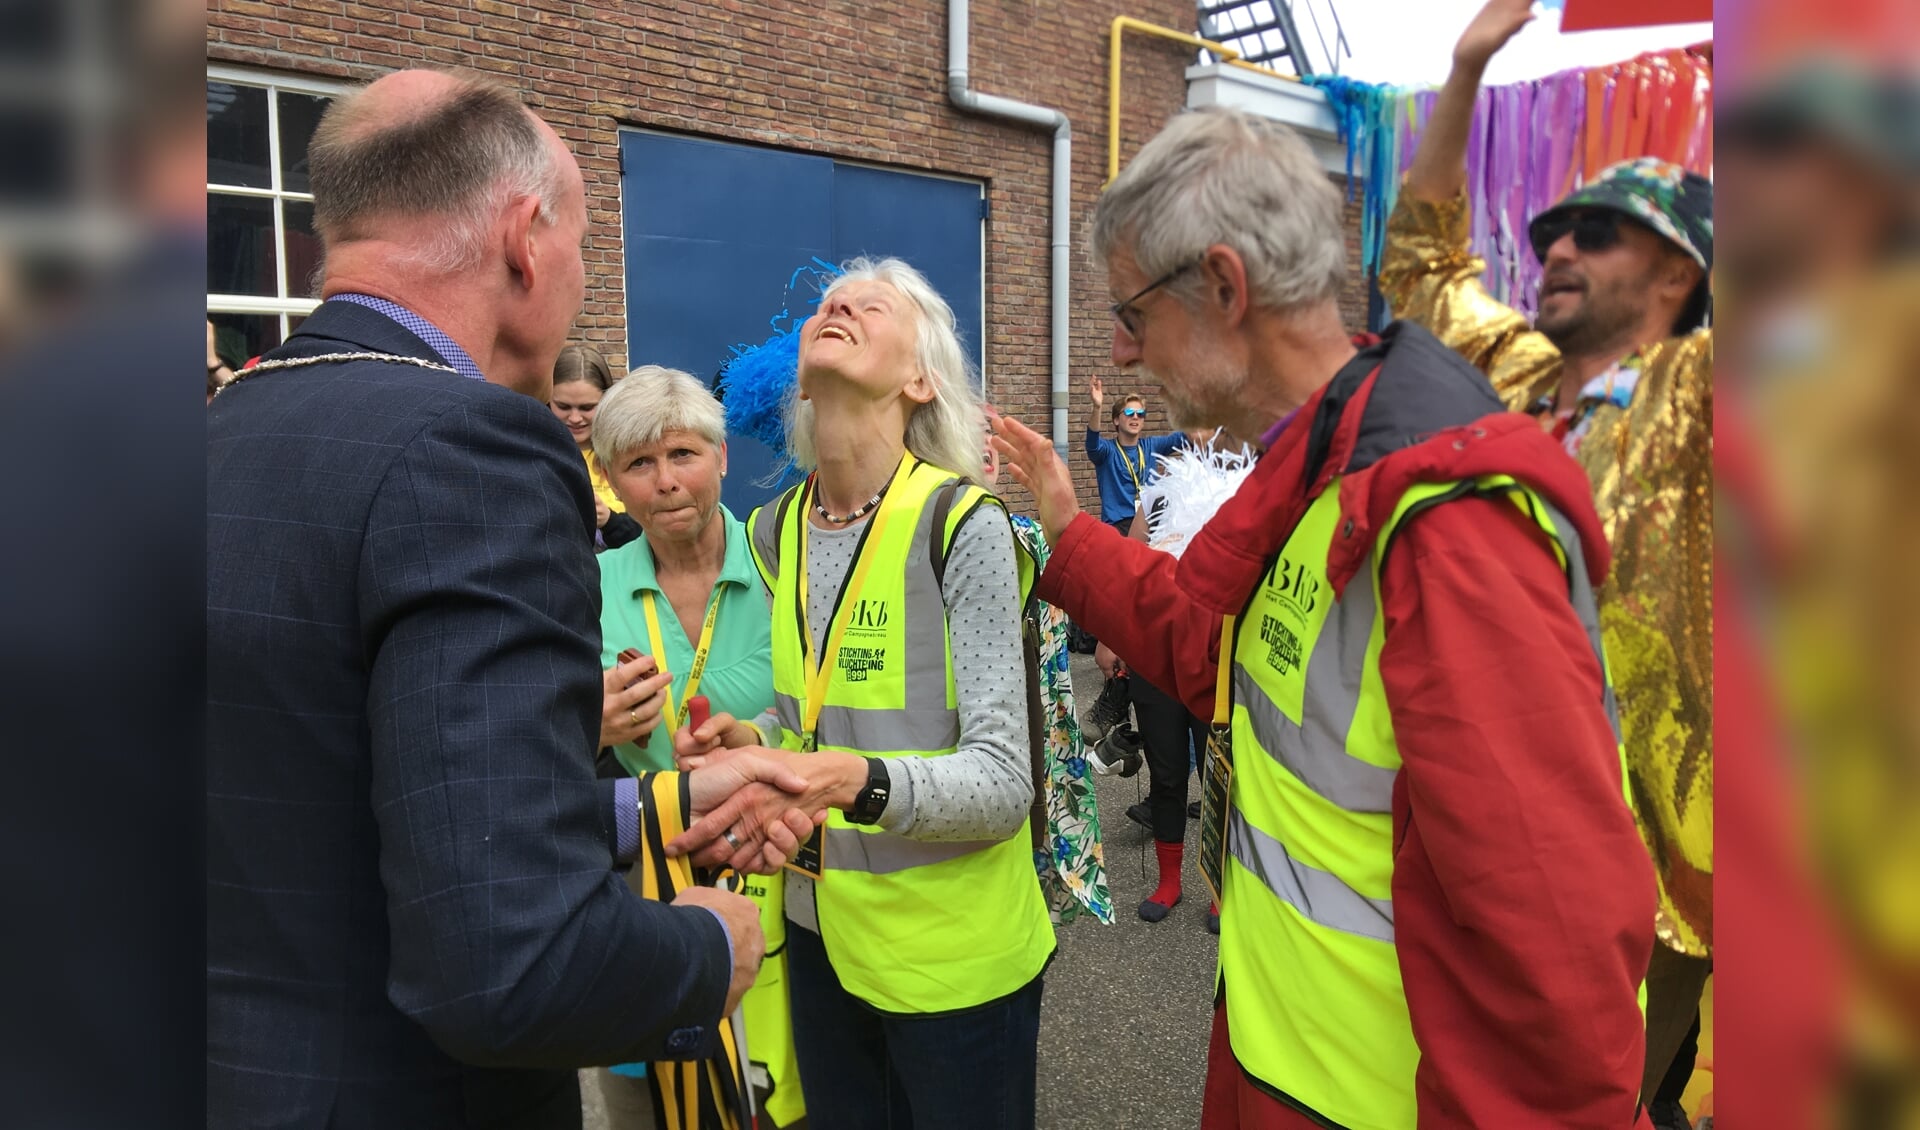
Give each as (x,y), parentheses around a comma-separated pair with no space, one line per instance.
(946,431)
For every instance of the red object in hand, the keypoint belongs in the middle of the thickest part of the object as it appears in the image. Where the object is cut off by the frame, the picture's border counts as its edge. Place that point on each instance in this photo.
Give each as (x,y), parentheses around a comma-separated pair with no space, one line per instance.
(699,710)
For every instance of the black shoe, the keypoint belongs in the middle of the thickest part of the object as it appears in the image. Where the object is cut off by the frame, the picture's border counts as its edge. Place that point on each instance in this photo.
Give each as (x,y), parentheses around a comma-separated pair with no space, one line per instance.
(1117,753)
(1151,911)
(1213,921)
(1108,711)
(1666,1114)
(1193,810)
(1140,814)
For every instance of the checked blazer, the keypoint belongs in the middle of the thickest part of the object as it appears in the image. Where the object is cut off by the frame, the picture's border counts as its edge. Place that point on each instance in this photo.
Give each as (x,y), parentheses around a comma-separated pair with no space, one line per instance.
(412,917)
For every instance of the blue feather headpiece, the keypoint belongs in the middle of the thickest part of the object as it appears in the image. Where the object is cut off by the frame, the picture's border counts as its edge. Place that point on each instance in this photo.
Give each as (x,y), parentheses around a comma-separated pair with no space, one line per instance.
(758,384)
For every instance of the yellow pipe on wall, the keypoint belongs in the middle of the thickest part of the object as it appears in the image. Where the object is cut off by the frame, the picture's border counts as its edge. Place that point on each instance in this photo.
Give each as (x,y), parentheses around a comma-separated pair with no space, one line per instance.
(1127,23)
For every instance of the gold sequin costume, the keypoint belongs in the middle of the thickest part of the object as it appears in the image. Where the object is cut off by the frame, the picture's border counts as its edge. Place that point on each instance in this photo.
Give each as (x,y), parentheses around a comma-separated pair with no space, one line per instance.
(1650,464)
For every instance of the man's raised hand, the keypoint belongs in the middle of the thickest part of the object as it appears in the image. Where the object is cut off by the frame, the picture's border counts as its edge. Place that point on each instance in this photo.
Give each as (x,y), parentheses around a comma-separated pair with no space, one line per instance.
(1031,459)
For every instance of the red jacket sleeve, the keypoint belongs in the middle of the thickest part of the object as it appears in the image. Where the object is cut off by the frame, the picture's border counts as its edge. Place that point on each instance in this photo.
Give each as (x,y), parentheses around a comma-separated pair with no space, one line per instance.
(1127,596)
(1523,897)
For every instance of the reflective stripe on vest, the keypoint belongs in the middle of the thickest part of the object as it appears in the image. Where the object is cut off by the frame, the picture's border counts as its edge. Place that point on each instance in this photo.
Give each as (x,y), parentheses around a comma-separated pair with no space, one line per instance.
(1315,1005)
(909,926)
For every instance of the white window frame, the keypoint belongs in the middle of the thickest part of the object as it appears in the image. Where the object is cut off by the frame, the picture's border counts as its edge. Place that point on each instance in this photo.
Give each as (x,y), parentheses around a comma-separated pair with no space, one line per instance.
(286,305)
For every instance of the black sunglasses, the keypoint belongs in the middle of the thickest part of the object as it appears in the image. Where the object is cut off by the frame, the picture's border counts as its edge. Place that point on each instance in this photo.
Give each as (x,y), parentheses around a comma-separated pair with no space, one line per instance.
(1592,231)
(1124,313)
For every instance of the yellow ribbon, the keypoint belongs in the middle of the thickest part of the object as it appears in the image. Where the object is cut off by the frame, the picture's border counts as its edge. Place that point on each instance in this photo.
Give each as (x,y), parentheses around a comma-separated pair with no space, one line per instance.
(819,667)
(699,652)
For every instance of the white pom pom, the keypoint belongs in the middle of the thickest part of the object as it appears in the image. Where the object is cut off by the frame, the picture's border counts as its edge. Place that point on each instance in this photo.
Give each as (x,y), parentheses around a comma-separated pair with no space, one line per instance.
(1190,486)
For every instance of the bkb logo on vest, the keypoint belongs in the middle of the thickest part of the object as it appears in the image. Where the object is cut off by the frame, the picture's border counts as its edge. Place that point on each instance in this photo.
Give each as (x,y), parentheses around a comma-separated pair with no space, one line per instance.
(1283,647)
(868,614)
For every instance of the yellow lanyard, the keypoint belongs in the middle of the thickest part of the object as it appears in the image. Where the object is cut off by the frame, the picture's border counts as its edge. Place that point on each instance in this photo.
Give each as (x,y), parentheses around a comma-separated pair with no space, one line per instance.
(819,667)
(699,652)
(1130,467)
(1223,684)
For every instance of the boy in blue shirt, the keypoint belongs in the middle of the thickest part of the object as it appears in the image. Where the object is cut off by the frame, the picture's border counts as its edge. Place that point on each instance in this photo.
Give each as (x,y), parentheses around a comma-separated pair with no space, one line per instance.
(1122,465)
(1125,463)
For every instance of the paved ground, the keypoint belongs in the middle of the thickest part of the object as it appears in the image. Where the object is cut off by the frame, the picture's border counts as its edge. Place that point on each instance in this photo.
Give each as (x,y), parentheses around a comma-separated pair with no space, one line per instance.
(1123,1032)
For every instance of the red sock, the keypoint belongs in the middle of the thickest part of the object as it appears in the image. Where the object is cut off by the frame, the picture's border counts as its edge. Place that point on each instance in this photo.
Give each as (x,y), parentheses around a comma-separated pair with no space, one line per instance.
(1171,857)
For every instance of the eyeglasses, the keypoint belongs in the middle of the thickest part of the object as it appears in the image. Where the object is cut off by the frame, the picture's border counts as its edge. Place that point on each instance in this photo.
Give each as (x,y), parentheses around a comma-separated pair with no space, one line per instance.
(1135,412)
(1592,231)
(1127,316)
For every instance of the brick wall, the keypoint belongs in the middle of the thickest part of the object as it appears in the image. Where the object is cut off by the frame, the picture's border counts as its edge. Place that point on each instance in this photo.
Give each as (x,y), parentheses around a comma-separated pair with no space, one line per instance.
(862,81)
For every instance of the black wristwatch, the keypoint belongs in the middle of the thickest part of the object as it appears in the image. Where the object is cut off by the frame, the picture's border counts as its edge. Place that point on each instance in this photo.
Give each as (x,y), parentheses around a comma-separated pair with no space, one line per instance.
(872,800)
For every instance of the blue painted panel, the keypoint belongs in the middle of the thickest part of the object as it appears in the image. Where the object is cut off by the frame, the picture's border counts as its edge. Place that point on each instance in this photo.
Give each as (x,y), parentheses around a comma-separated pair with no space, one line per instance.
(714,233)
(931,222)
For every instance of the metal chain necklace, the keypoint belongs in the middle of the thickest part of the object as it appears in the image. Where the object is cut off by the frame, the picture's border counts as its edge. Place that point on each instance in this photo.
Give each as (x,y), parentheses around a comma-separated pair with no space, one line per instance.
(327,359)
(853,516)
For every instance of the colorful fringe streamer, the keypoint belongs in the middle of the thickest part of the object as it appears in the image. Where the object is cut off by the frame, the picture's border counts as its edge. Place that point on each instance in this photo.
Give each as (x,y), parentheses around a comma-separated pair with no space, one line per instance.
(1531,144)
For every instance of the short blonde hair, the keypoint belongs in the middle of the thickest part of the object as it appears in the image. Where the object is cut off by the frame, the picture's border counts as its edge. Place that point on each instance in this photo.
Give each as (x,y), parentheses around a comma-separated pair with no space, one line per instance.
(946,431)
(647,404)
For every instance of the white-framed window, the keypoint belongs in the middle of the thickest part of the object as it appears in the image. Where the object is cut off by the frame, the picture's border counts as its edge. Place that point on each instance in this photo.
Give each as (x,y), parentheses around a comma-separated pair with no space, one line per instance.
(262,253)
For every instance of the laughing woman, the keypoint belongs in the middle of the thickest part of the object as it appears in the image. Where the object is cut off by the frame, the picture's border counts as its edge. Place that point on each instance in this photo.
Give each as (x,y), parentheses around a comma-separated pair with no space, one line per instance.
(915,958)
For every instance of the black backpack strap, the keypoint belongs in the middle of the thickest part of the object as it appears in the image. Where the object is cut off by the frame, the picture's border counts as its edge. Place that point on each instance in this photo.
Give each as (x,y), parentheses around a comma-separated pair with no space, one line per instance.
(942,510)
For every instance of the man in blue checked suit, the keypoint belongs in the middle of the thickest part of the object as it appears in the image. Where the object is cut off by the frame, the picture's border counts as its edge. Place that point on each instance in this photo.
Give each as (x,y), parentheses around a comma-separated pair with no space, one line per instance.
(412,917)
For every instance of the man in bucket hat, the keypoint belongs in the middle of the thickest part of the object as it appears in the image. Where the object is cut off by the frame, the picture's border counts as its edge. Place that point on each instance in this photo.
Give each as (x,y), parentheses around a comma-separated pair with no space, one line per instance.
(1617,364)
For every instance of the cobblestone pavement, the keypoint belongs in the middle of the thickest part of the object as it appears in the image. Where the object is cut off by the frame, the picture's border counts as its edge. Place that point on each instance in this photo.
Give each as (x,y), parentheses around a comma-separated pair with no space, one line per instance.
(1123,1028)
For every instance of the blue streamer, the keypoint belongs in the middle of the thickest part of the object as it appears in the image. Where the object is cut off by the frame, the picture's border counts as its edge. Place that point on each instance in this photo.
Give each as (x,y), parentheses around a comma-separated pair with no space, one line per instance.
(758,383)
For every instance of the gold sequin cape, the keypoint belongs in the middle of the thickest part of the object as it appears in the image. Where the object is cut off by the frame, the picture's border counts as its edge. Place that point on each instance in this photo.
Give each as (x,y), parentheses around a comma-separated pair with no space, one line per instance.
(1650,464)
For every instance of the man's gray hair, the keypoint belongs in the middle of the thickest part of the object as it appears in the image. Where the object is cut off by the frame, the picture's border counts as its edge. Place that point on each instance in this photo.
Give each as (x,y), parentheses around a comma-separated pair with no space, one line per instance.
(450,169)
(948,431)
(647,404)
(1217,175)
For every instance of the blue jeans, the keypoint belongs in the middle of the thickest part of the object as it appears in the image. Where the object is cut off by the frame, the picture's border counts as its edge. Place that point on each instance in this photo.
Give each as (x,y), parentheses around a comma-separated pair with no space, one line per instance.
(861,1069)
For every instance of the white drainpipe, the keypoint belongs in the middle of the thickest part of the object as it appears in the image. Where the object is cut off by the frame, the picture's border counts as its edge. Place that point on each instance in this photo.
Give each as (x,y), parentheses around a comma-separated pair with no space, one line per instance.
(994,106)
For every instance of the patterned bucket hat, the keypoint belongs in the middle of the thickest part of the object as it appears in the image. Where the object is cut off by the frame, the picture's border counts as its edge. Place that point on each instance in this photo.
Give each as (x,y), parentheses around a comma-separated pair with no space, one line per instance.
(1660,194)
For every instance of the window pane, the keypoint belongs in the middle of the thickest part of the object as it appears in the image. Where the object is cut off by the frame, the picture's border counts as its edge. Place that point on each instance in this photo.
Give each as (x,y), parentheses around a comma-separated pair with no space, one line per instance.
(299,114)
(240,252)
(237,136)
(303,250)
(239,338)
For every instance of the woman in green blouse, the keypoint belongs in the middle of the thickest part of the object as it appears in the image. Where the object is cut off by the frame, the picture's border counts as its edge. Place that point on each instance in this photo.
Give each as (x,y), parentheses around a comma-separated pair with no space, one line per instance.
(686,596)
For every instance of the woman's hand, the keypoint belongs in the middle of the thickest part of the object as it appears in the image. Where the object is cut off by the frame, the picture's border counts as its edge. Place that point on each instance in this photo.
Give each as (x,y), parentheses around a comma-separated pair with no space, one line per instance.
(1030,457)
(631,699)
(601,512)
(692,747)
(1110,664)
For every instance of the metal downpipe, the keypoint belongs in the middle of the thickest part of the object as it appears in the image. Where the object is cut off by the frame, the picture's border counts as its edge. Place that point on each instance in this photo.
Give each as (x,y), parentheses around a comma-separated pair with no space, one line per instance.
(1026,113)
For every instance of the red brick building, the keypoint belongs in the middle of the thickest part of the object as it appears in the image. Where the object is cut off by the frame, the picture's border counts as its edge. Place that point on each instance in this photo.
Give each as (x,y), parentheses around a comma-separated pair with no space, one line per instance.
(864,84)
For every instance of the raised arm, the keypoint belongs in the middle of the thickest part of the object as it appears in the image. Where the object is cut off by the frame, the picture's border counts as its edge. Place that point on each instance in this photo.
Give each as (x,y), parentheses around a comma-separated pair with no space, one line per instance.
(1124,592)
(1429,273)
(1097,397)
(1439,169)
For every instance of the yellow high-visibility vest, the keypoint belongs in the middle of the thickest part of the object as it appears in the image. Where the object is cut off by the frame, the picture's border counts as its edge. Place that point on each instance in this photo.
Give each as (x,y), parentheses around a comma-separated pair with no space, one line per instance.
(910,926)
(1315,1006)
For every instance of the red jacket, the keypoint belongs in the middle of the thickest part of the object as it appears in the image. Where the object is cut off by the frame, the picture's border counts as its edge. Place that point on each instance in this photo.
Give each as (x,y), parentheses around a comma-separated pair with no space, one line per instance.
(1523,897)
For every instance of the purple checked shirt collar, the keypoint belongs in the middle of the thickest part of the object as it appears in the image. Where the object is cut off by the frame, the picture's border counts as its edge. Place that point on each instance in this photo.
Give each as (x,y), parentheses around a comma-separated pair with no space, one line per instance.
(426,331)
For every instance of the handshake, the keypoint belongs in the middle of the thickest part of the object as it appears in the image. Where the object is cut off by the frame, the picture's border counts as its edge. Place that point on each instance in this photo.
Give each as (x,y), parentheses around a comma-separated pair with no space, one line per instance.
(753,806)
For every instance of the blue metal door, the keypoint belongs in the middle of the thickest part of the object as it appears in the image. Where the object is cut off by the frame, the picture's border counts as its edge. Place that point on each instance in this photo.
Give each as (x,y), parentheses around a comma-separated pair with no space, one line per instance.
(714,233)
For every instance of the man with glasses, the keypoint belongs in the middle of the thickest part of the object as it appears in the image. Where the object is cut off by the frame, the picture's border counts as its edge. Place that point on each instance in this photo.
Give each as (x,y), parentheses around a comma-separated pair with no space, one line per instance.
(1617,366)
(1434,907)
